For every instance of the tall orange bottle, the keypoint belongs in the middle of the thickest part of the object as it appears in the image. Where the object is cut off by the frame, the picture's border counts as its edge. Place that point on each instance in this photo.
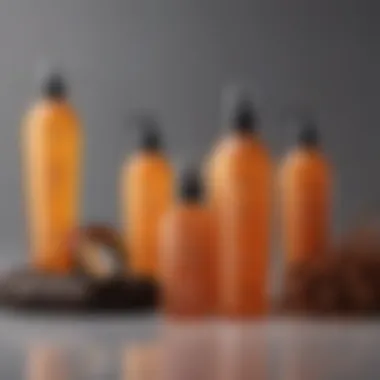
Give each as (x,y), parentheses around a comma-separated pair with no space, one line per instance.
(146,194)
(187,254)
(51,147)
(305,185)
(239,190)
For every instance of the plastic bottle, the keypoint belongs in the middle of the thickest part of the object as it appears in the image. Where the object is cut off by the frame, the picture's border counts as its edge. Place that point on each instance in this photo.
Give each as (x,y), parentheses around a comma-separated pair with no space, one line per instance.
(146,194)
(239,189)
(188,254)
(52,149)
(305,185)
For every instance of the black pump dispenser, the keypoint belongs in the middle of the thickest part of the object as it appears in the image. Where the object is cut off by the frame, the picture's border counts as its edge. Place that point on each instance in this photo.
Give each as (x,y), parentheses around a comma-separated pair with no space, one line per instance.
(239,110)
(243,118)
(191,189)
(54,86)
(150,140)
(150,136)
(308,136)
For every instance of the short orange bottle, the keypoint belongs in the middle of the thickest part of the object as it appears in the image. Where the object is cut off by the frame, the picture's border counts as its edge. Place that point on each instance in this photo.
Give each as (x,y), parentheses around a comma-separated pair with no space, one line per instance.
(187,254)
(146,194)
(51,137)
(305,185)
(239,190)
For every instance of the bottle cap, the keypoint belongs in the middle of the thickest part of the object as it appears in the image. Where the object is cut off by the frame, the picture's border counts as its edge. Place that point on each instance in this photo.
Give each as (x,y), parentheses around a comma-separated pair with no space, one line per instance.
(240,110)
(150,138)
(54,86)
(191,189)
(308,135)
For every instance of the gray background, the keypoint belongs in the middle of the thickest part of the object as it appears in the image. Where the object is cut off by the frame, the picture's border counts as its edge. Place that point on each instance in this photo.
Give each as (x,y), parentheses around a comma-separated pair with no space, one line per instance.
(175,56)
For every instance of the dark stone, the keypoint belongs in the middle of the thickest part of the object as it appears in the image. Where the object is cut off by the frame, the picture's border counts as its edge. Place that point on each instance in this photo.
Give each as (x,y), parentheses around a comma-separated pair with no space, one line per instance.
(32,291)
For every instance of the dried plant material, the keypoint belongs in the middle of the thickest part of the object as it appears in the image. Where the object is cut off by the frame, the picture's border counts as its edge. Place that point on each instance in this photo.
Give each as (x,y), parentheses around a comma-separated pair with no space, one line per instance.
(345,282)
(98,283)
(311,287)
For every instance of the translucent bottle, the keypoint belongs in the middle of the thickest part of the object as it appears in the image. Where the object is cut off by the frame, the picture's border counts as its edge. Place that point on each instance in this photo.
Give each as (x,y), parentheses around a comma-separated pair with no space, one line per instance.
(239,190)
(188,254)
(52,150)
(305,183)
(146,194)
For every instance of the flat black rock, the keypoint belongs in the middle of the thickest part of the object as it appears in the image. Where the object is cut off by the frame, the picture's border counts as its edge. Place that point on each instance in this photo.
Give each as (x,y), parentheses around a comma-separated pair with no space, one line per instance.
(32,291)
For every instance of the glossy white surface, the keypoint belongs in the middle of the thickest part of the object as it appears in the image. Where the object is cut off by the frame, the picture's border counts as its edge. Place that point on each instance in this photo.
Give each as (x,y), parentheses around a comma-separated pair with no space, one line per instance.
(42,348)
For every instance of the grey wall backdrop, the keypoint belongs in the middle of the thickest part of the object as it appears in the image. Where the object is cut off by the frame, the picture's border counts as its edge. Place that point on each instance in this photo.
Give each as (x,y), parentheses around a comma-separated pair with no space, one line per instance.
(175,56)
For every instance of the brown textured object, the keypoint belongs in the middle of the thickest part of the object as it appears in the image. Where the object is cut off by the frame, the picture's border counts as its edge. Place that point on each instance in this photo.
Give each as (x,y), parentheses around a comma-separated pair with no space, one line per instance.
(312,288)
(89,246)
(92,287)
(360,277)
(345,283)
(31,291)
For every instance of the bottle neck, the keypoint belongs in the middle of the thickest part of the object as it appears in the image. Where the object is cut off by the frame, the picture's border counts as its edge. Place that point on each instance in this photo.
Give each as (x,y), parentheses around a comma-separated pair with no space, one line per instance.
(151,150)
(243,133)
(243,124)
(309,151)
(190,195)
(311,146)
(54,101)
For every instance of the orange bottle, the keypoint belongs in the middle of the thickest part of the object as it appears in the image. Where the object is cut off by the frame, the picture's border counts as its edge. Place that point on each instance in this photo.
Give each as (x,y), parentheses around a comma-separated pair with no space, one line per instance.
(305,184)
(239,190)
(188,254)
(146,194)
(51,147)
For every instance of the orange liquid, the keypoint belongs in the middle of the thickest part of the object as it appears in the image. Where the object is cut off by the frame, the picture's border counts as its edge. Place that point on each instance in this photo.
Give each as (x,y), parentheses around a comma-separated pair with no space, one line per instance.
(188,262)
(240,193)
(51,138)
(147,193)
(305,199)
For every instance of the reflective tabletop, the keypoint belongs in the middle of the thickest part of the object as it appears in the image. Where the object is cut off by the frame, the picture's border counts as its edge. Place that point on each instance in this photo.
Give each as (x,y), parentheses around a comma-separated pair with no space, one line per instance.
(147,347)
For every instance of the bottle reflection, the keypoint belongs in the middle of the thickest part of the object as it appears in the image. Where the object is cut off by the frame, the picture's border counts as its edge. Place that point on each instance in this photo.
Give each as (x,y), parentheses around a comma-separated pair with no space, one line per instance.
(309,352)
(319,351)
(46,362)
(98,362)
(188,352)
(293,366)
(140,362)
(242,353)
(202,352)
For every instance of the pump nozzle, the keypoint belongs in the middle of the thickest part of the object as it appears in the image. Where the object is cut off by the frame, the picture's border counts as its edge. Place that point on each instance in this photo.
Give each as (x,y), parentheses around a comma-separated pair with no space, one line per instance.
(240,110)
(191,189)
(150,138)
(308,135)
(54,85)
